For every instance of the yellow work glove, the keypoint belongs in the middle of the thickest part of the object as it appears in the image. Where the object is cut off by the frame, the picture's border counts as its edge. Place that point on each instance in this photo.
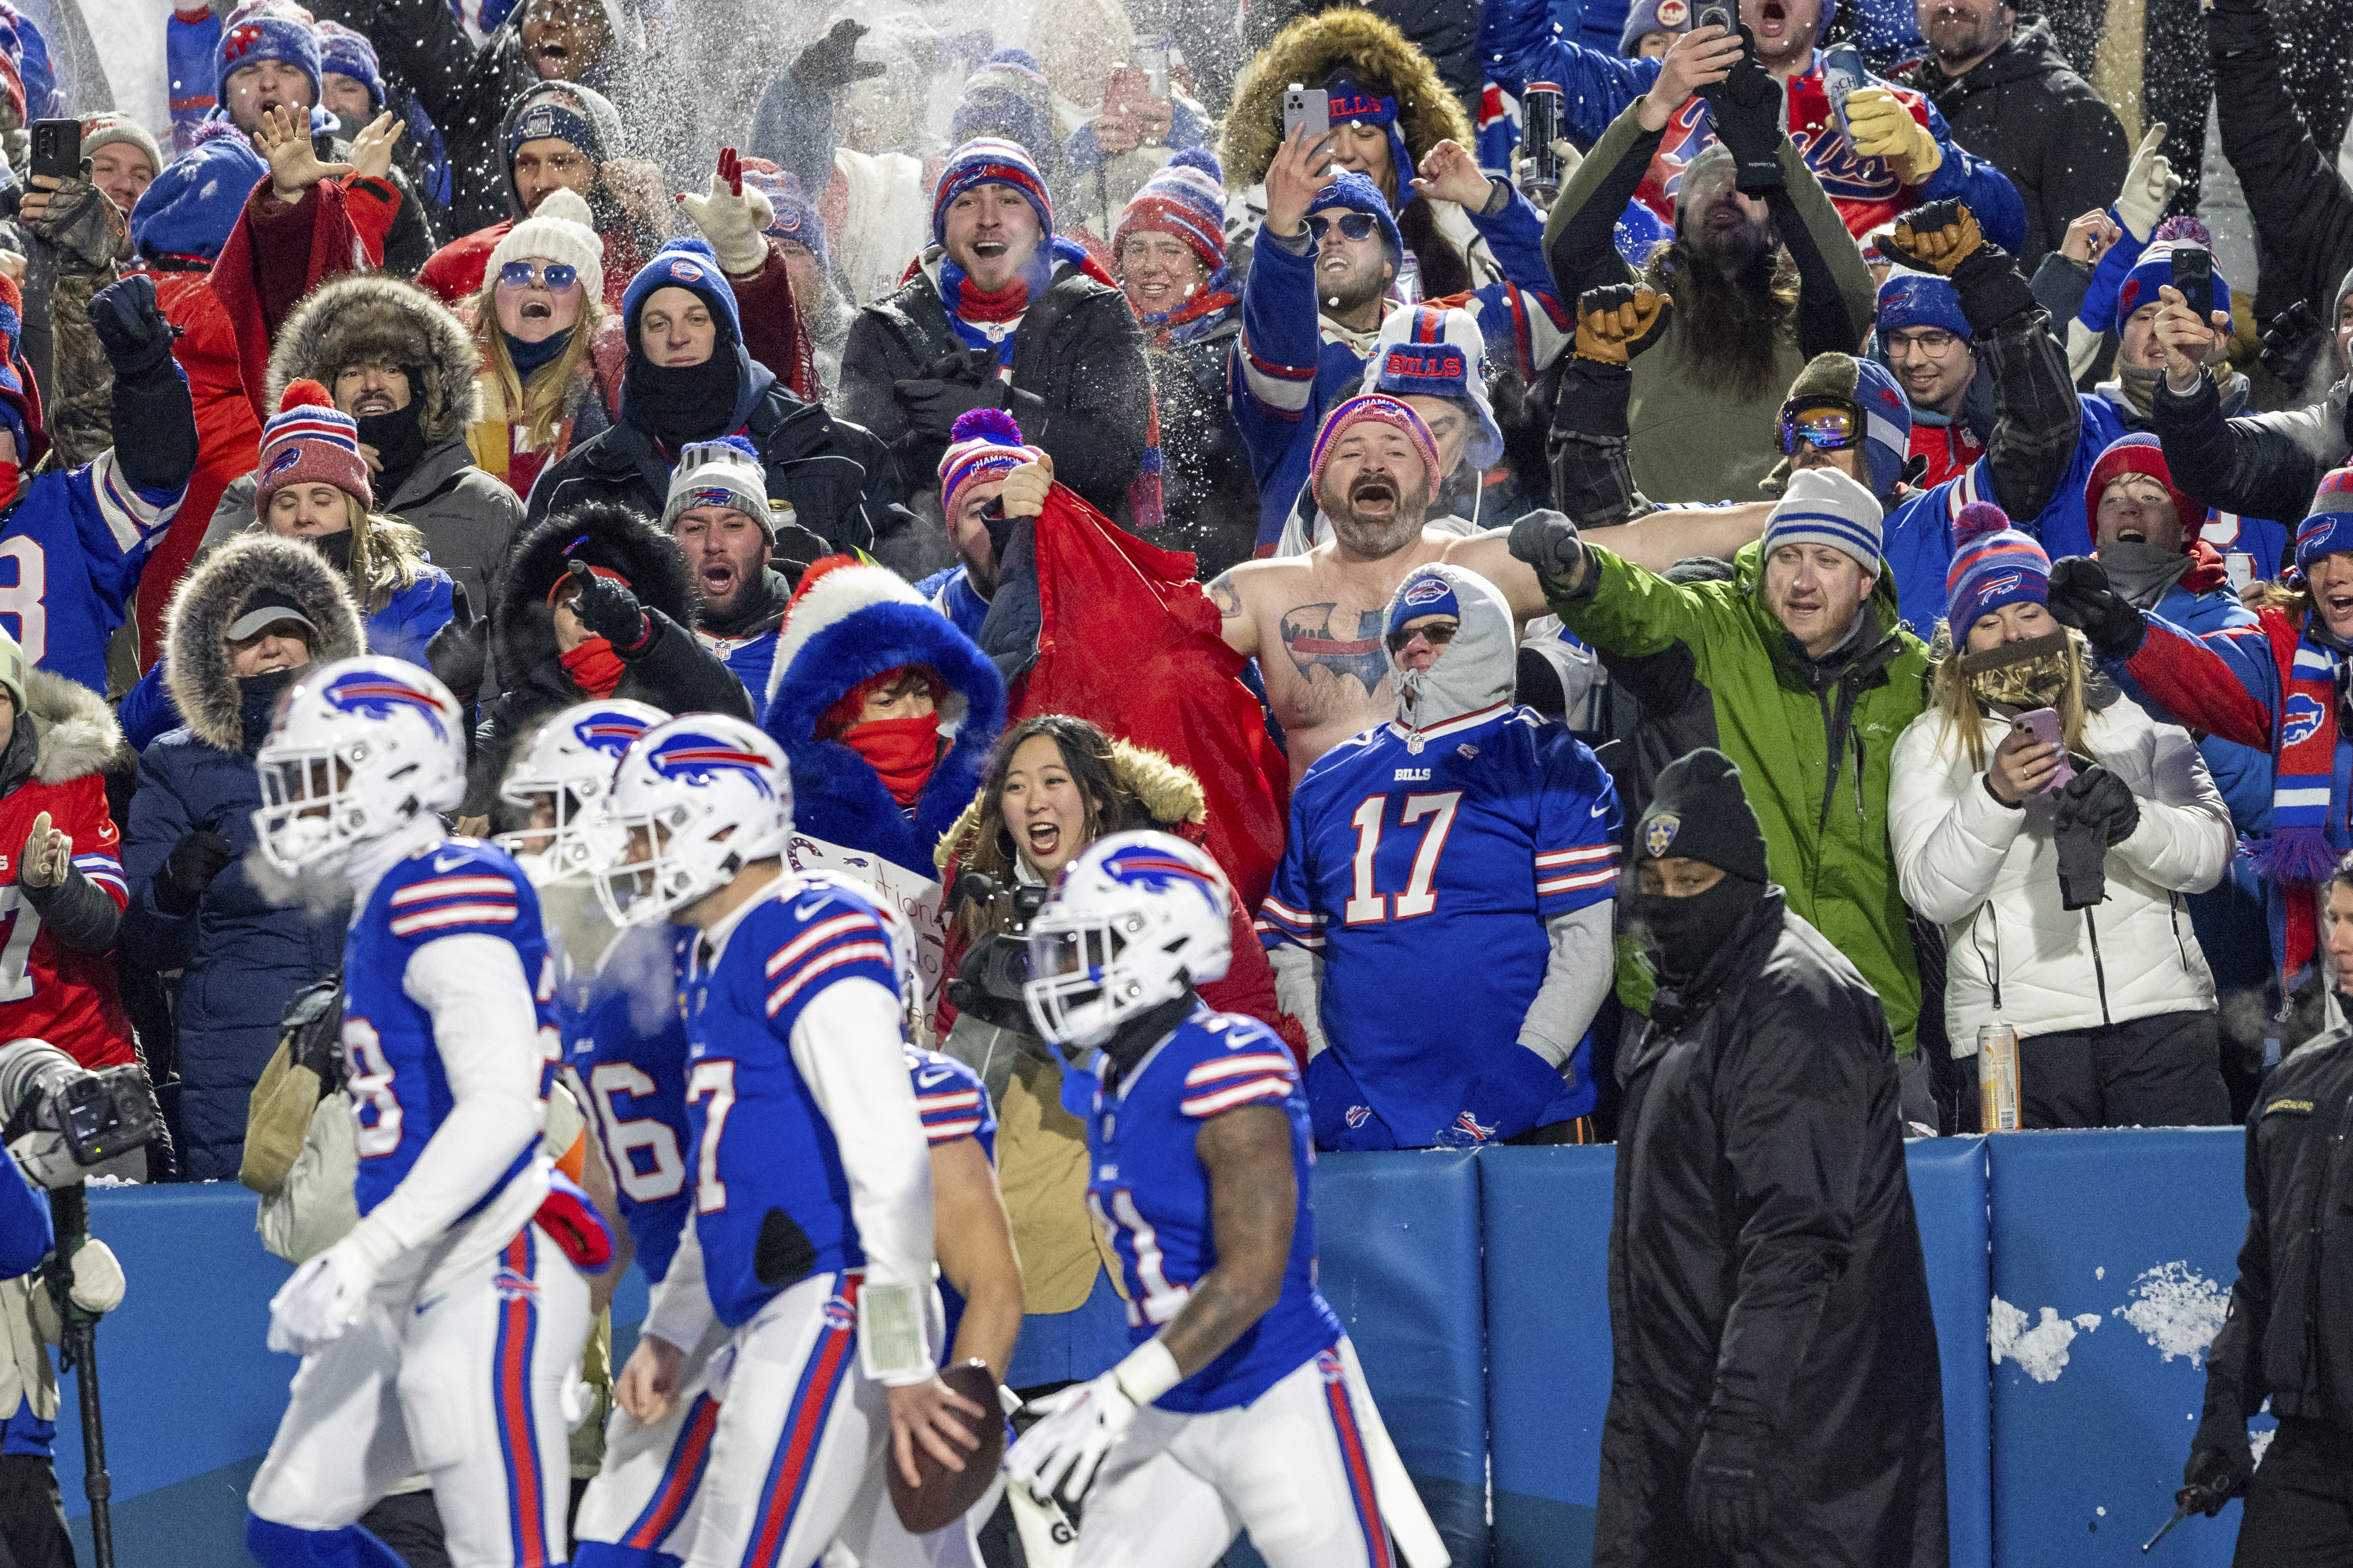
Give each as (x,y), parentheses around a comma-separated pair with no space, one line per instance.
(1879,126)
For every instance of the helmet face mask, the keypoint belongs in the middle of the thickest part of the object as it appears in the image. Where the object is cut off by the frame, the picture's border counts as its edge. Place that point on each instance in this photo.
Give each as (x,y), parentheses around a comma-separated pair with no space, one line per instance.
(1134,920)
(561,779)
(694,801)
(358,751)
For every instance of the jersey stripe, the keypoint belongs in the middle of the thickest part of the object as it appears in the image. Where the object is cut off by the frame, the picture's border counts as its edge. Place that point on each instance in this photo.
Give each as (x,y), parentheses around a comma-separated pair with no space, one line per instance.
(1284,931)
(1551,858)
(128,516)
(1289,916)
(518,1426)
(453,886)
(1552,885)
(1236,1067)
(105,871)
(823,932)
(1225,1099)
(453,915)
(849,953)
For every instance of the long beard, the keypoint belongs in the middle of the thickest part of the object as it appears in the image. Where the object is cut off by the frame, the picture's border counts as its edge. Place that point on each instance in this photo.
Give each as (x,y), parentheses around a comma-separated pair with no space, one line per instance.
(1734,324)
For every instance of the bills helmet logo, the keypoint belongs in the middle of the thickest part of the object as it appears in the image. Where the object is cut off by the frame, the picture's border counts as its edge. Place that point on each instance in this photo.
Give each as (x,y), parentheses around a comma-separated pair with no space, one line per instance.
(1479,1132)
(374,696)
(1330,1367)
(1359,1114)
(839,1315)
(1428,591)
(697,759)
(1145,866)
(1992,586)
(513,1285)
(2301,720)
(283,461)
(611,733)
(1660,834)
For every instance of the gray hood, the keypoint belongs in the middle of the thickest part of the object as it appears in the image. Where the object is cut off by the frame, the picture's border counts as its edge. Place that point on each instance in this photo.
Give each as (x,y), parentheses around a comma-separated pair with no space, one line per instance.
(1477,670)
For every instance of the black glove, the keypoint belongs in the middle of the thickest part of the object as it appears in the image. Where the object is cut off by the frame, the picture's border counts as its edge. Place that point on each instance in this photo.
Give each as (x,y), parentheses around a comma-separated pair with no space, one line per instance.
(190,869)
(2080,835)
(933,407)
(2221,1465)
(1750,116)
(2292,343)
(1549,541)
(2081,598)
(2098,798)
(1730,1497)
(608,610)
(831,63)
(131,326)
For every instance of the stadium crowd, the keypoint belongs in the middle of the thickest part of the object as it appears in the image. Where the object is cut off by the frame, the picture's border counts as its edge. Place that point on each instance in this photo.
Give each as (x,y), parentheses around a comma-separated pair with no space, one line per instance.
(1071,429)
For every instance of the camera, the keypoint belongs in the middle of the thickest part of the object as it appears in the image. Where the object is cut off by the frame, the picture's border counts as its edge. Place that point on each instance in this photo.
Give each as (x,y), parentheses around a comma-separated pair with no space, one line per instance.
(989,983)
(60,1117)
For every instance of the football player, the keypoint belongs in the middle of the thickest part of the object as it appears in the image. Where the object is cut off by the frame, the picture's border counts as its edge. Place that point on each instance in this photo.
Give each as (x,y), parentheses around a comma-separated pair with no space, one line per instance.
(1241,1406)
(439,1335)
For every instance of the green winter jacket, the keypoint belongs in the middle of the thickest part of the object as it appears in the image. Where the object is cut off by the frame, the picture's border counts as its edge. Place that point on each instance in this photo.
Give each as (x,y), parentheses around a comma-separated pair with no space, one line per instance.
(1812,743)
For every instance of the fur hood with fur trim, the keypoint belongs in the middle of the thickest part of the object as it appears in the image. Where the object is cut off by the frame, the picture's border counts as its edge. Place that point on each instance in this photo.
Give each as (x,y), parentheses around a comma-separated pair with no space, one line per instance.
(368,315)
(196,656)
(1168,796)
(854,621)
(523,627)
(74,729)
(1311,50)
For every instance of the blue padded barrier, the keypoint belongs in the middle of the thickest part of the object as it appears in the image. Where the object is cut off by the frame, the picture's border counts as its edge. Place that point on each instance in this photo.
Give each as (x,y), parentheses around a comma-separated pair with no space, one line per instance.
(1397,1240)
(2121,1237)
(1547,1213)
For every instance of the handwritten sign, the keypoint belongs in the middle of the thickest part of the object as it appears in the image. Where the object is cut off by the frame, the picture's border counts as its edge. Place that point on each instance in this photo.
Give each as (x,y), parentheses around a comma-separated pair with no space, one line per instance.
(917,901)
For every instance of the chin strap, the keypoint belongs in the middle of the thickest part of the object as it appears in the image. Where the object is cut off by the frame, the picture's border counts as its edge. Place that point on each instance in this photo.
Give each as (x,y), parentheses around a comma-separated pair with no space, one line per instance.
(1134,1039)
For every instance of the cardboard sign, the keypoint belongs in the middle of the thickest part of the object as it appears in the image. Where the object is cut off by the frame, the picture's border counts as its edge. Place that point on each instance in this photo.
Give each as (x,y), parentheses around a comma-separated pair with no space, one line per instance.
(917,901)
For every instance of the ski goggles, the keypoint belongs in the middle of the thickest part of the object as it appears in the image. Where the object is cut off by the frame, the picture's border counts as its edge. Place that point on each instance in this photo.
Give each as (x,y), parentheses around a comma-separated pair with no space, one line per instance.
(1353,226)
(1829,424)
(560,275)
(1436,634)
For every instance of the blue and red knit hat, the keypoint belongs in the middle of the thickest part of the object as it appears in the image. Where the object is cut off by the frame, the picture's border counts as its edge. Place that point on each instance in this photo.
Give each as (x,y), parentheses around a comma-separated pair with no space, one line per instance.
(2153,271)
(1380,409)
(1006,95)
(194,203)
(982,443)
(1910,299)
(347,53)
(1993,565)
(2328,528)
(796,216)
(2140,454)
(310,441)
(687,264)
(1186,201)
(985,161)
(266,31)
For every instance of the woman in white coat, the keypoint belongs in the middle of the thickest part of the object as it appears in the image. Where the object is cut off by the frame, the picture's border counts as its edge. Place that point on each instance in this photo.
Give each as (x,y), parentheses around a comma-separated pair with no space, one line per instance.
(2062,901)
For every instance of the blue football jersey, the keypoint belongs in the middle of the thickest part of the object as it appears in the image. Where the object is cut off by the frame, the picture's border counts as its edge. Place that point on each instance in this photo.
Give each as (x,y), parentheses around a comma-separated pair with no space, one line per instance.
(1423,878)
(70,556)
(954,1103)
(769,1183)
(398,1089)
(1150,1193)
(636,1080)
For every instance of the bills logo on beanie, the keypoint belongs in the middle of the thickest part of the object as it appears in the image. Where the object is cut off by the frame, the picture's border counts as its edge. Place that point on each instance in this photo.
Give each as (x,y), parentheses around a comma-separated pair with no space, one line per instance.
(1425,596)
(1377,408)
(1433,350)
(310,441)
(1910,299)
(1994,565)
(983,443)
(2328,529)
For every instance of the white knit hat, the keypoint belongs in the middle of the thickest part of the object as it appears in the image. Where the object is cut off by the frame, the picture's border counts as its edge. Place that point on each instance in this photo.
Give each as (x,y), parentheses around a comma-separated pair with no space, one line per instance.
(725,472)
(1823,506)
(1431,350)
(561,230)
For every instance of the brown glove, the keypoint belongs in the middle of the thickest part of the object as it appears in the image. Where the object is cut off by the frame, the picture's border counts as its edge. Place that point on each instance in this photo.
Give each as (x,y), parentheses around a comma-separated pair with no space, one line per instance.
(1937,237)
(1618,322)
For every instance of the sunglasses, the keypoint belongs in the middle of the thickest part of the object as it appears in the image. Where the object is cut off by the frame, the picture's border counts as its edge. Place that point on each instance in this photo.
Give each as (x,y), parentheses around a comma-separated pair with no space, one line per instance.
(523,274)
(1353,226)
(1438,636)
(1832,424)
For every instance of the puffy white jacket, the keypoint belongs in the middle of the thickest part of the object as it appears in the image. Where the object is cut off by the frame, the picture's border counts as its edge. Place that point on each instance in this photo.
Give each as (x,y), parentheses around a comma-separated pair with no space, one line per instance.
(1990,873)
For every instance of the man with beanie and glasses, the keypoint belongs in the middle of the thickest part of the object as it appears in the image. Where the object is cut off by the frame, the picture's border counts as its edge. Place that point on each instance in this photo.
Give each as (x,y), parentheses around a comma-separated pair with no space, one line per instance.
(1774,1394)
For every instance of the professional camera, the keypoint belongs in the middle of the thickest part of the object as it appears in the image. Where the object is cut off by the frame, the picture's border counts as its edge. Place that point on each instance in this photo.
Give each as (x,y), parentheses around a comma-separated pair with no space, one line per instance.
(987,984)
(58,1118)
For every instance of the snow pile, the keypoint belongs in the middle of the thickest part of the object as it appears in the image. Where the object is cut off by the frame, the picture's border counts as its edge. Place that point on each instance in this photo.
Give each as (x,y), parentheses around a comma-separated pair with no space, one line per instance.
(2040,1351)
(2178,1310)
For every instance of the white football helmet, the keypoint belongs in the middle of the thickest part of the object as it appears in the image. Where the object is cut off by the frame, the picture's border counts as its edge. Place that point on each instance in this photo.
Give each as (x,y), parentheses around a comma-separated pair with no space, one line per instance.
(566,770)
(359,749)
(1133,918)
(693,802)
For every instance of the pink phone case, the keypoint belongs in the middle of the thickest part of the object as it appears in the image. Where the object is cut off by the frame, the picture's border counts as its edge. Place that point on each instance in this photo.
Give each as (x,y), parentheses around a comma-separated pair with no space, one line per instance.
(2042,724)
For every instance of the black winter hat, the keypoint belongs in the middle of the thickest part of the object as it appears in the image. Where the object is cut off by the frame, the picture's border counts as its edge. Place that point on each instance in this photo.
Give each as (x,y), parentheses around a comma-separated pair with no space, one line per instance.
(1698,812)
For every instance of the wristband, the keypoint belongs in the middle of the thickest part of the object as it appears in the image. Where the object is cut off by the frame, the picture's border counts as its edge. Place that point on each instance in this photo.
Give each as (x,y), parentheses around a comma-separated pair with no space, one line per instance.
(1149,1372)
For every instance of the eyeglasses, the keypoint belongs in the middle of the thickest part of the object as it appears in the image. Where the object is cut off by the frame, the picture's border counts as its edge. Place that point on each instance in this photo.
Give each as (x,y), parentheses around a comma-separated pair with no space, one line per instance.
(1437,636)
(1353,226)
(560,275)
(1934,342)
(1830,424)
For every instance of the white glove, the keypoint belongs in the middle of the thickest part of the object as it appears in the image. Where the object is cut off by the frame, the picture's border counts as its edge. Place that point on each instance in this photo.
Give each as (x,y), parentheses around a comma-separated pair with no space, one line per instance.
(1058,1456)
(733,224)
(45,1160)
(98,1283)
(325,1297)
(2149,183)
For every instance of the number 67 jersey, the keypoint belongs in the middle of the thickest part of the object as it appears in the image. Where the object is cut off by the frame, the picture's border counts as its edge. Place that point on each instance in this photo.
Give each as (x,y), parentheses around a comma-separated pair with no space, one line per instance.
(1421,867)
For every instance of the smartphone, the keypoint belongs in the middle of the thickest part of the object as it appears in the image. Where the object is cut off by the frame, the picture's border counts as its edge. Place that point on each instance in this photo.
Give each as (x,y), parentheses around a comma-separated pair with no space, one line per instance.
(2193,273)
(57,149)
(2041,724)
(1311,107)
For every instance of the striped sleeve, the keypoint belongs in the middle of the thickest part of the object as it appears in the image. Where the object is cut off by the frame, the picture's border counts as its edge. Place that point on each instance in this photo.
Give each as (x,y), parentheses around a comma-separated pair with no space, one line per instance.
(949,1097)
(1247,1077)
(1578,827)
(106,870)
(133,518)
(1287,913)
(841,942)
(474,898)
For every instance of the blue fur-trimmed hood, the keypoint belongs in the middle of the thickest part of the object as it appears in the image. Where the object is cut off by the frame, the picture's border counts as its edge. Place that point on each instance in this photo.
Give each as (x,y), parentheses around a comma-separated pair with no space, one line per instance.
(856,622)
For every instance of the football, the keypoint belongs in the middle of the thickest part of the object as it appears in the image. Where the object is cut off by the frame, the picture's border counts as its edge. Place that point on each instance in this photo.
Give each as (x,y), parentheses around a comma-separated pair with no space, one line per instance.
(944,1495)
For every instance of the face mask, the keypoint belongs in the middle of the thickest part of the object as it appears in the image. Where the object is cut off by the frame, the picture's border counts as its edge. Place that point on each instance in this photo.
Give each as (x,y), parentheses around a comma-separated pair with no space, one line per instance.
(1683,934)
(398,440)
(902,750)
(593,666)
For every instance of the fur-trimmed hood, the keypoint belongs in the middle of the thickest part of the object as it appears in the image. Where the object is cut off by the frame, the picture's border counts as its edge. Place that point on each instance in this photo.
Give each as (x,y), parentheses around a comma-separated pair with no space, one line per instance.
(209,600)
(1168,796)
(371,314)
(1311,50)
(855,622)
(75,730)
(523,627)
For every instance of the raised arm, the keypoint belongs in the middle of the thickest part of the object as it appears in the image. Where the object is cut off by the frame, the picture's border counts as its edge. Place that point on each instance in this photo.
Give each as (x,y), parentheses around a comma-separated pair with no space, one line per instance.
(1653,544)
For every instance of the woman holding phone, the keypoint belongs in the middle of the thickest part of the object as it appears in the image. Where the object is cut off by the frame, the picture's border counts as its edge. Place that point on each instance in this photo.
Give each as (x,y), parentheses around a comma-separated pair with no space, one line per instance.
(2053,828)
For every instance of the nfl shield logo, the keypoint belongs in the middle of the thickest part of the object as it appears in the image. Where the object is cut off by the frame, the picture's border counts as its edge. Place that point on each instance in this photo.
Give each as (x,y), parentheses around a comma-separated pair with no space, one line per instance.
(1660,834)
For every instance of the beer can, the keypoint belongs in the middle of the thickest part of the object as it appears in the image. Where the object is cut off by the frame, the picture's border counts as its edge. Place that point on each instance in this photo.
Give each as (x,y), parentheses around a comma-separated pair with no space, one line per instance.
(1997,1077)
(1539,163)
(1842,72)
